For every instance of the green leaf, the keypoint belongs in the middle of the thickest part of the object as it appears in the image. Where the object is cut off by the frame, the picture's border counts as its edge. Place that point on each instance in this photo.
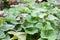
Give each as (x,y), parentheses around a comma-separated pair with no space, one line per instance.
(51,17)
(22,21)
(29,25)
(31,30)
(58,15)
(42,15)
(23,9)
(22,36)
(18,28)
(2,34)
(44,9)
(50,35)
(1,21)
(7,27)
(39,26)
(6,38)
(14,37)
(10,18)
(58,34)
(48,26)
(18,35)
(35,13)
(30,19)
